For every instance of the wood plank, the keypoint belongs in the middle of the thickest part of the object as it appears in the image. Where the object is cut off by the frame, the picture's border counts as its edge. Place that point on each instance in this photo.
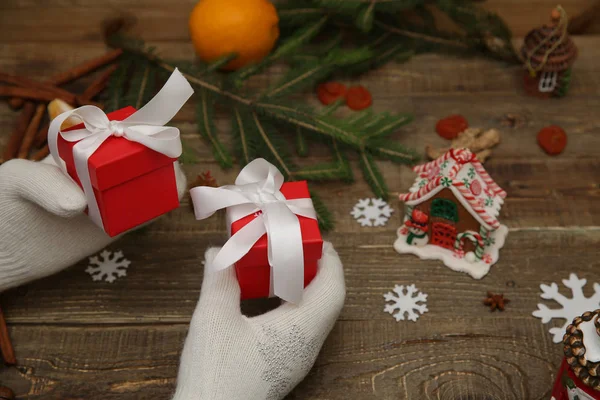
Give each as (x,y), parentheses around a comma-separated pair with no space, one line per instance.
(429,86)
(159,20)
(164,280)
(501,356)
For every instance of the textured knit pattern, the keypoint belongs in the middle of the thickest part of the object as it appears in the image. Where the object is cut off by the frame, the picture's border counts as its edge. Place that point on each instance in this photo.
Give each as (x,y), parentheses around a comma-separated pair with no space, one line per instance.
(229,356)
(43,228)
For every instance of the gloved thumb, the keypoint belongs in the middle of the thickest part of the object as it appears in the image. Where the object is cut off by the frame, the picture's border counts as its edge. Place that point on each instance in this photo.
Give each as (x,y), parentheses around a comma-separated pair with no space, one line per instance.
(43,184)
(220,289)
(322,301)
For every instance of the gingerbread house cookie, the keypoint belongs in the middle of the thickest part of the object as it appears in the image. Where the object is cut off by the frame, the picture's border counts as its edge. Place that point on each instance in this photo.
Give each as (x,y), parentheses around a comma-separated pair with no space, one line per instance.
(451,214)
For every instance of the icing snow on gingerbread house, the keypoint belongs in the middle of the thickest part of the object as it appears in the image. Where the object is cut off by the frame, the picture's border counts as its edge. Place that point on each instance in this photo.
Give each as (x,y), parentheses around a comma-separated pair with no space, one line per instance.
(451,214)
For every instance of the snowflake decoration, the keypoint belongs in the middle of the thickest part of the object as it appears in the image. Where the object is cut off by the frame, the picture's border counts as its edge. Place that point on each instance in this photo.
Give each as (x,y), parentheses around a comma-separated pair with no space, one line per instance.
(406,303)
(489,202)
(108,266)
(571,308)
(372,212)
(467,183)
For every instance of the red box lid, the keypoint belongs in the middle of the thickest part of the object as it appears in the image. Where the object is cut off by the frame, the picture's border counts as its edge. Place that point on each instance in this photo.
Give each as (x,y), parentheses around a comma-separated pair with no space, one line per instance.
(117,160)
(312,240)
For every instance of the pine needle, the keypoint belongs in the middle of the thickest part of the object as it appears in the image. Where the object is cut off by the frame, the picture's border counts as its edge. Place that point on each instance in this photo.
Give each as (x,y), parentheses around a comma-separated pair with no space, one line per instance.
(373,175)
(208,130)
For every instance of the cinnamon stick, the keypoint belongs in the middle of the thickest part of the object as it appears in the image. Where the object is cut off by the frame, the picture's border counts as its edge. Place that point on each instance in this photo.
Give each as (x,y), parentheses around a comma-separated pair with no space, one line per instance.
(41,136)
(31,131)
(32,84)
(14,143)
(76,72)
(6,348)
(98,84)
(27,93)
(40,154)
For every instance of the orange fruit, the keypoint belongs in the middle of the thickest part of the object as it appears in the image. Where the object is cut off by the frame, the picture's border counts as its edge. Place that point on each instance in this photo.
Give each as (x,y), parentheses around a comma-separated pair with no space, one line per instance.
(249,28)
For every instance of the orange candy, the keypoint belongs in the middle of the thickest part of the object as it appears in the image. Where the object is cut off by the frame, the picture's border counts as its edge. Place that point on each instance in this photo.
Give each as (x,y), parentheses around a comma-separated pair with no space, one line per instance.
(552,139)
(451,126)
(358,98)
(330,92)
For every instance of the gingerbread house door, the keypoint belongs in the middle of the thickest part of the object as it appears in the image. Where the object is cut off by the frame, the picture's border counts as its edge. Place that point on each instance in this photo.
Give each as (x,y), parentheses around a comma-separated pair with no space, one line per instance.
(444,215)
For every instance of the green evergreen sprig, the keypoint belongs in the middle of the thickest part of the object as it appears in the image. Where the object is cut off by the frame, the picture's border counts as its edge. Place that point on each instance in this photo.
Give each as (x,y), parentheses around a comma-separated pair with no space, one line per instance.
(319,38)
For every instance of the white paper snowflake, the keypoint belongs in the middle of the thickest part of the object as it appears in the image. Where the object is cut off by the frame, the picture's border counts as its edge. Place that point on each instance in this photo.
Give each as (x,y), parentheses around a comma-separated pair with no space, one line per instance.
(572,307)
(406,303)
(108,266)
(372,212)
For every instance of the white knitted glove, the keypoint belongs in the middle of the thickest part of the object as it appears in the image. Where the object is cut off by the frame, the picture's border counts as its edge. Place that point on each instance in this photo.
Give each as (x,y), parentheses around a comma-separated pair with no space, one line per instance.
(43,228)
(228,356)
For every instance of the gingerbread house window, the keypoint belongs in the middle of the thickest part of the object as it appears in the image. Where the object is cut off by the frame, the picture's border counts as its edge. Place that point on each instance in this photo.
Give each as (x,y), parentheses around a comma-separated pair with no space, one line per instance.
(547,82)
(444,208)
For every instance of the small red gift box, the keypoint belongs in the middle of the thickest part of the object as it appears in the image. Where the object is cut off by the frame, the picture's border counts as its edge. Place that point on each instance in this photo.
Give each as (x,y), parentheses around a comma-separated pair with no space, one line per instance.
(132,183)
(253,270)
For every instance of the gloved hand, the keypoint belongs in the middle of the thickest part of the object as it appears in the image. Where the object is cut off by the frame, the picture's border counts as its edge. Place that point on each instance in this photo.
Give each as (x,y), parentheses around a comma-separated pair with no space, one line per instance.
(229,356)
(43,228)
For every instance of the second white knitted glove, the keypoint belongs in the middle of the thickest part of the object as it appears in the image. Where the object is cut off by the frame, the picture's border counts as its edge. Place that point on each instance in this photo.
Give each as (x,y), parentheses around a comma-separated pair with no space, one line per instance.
(43,228)
(228,356)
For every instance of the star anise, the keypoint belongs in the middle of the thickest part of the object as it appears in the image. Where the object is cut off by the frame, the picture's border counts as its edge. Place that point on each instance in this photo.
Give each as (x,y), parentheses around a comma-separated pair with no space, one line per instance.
(495,301)
(204,179)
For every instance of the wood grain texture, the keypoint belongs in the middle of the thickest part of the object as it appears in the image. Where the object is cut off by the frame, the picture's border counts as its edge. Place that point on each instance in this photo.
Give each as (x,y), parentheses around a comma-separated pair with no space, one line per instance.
(168,20)
(79,339)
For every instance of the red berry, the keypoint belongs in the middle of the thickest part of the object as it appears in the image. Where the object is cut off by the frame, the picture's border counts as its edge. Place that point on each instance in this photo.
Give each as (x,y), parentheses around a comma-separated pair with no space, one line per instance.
(330,92)
(451,126)
(358,98)
(552,139)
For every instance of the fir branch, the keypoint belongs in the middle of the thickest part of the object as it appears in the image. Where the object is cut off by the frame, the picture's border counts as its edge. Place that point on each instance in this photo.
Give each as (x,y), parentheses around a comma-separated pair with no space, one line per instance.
(319,124)
(208,130)
(393,151)
(275,148)
(373,175)
(188,155)
(324,217)
(364,20)
(289,46)
(455,43)
(117,84)
(298,13)
(301,145)
(244,135)
(383,124)
(311,73)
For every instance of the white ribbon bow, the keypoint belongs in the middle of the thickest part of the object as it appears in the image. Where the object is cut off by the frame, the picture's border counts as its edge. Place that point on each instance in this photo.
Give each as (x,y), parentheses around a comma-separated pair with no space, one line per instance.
(145,126)
(257,188)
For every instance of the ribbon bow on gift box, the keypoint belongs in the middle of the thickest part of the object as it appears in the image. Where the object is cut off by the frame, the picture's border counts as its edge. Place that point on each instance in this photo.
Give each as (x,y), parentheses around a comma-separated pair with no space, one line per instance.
(145,126)
(257,189)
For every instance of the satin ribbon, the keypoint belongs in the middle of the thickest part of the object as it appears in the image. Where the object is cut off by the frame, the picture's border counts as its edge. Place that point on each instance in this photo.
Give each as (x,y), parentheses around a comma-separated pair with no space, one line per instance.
(257,190)
(145,126)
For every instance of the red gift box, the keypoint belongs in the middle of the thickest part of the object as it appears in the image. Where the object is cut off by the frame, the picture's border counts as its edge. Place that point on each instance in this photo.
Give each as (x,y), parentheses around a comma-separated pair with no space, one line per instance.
(132,183)
(253,270)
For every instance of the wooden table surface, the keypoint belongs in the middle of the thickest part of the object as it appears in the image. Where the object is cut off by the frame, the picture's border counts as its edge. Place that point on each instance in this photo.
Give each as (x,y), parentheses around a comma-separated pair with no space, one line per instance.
(80,339)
